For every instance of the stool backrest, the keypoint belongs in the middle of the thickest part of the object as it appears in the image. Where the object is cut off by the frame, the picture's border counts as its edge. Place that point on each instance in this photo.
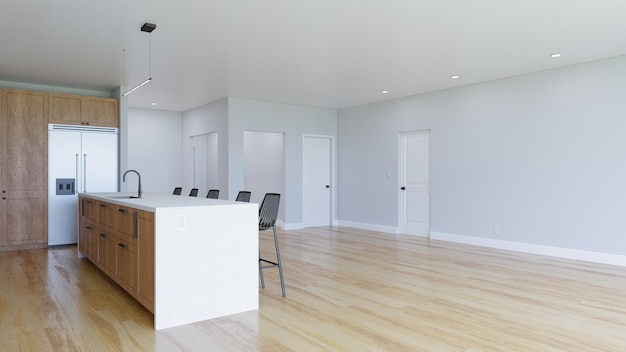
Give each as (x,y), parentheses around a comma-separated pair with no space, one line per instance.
(268,212)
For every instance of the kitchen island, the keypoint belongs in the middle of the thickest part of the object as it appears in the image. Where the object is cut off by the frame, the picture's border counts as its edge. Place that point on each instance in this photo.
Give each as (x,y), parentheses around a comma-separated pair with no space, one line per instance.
(185,259)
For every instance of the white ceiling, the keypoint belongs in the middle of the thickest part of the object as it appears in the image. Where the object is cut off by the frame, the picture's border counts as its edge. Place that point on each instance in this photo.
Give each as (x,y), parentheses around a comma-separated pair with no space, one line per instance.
(323,53)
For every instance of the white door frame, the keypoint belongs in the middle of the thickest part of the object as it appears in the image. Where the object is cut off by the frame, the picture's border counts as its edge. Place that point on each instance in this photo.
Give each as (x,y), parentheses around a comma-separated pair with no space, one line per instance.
(401,163)
(333,177)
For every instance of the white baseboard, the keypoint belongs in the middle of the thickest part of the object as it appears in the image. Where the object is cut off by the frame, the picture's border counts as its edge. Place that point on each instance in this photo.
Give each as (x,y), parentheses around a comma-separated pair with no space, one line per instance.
(370,227)
(566,253)
(290,226)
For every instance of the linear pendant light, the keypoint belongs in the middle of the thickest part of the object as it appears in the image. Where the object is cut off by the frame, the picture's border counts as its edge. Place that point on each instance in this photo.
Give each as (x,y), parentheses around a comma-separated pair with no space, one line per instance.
(147,27)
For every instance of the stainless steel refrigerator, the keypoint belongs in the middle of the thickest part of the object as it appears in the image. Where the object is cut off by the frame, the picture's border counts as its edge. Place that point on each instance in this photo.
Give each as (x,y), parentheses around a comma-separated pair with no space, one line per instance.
(80,159)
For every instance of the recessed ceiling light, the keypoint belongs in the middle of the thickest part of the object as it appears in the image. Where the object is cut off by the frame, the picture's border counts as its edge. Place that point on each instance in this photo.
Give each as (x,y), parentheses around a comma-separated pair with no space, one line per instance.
(385,91)
(154,103)
(455,76)
(555,55)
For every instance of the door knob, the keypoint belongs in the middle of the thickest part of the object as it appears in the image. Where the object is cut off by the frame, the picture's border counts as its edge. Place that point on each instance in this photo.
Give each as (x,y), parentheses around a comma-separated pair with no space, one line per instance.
(403,188)
(327,186)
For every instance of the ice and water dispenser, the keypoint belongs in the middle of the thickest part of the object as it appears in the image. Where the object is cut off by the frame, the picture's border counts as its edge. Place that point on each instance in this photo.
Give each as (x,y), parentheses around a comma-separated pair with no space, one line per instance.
(65,186)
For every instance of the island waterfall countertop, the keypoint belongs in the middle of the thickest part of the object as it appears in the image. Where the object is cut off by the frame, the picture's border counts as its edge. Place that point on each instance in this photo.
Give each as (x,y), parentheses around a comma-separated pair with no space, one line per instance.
(153,201)
(205,255)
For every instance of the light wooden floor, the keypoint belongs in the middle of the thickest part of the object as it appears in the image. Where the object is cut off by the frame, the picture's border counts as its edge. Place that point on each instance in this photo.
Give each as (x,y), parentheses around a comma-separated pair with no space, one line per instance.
(347,290)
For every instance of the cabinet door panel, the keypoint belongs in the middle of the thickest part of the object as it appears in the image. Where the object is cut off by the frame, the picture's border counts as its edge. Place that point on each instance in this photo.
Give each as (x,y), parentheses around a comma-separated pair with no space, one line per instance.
(24,143)
(24,168)
(127,264)
(82,239)
(65,109)
(101,112)
(91,236)
(106,252)
(24,221)
(145,240)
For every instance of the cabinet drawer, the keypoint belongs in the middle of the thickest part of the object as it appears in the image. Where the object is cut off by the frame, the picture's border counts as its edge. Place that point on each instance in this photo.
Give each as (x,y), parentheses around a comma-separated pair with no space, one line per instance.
(106,214)
(90,209)
(126,222)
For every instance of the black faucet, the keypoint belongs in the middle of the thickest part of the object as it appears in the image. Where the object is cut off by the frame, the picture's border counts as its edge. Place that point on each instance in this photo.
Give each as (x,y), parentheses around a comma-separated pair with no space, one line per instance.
(139,192)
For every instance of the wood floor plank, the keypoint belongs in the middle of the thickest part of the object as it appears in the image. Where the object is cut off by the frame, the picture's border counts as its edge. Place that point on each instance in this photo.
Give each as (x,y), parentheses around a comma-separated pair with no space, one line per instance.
(347,290)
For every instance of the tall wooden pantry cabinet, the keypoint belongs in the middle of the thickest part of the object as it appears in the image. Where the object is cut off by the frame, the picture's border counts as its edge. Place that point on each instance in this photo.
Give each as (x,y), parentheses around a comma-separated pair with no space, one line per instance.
(23,169)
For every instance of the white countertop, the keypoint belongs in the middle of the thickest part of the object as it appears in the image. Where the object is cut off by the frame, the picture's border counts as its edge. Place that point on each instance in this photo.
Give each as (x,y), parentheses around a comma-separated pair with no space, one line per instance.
(152,201)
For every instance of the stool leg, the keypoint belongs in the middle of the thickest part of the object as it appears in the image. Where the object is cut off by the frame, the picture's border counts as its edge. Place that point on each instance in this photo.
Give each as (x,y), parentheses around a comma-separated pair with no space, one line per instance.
(280,265)
(261,271)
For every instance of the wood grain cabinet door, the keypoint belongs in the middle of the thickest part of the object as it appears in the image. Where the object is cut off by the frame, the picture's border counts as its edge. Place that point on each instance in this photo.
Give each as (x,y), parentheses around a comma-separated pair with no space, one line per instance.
(65,109)
(83,110)
(82,240)
(127,264)
(24,168)
(100,112)
(145,259)
(106,251)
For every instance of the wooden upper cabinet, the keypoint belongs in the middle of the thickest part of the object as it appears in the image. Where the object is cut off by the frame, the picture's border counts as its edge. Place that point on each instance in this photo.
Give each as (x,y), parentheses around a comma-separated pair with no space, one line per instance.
(83,110)
(101,112)
(65,109)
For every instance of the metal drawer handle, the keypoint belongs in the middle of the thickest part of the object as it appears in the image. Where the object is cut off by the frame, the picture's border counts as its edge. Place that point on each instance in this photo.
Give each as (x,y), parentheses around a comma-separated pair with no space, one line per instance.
(125,211)
(104,235)
(123,245)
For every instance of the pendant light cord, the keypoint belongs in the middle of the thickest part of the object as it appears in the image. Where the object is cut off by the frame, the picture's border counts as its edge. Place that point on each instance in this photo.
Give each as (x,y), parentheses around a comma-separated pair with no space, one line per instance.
(150,56)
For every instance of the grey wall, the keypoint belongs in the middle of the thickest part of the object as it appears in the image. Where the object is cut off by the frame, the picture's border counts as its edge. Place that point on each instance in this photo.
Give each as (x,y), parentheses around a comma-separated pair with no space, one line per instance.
(293,121)
(542,156)
(154,150)
(208,118)
(263,174)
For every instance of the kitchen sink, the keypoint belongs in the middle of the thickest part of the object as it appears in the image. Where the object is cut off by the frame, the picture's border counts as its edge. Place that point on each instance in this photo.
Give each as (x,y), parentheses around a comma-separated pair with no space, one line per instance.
(123,197)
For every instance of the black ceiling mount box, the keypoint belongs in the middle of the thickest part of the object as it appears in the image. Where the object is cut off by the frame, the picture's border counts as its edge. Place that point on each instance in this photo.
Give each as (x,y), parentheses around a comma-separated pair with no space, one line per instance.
(148,27)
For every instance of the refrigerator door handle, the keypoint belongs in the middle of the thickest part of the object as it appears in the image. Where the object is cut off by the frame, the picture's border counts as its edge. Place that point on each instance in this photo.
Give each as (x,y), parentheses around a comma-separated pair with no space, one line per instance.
(76,171)
(84,173)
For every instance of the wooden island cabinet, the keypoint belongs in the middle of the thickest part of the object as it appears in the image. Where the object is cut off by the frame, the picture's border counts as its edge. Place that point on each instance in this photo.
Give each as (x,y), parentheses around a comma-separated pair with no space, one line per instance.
(111,236)
(185,259)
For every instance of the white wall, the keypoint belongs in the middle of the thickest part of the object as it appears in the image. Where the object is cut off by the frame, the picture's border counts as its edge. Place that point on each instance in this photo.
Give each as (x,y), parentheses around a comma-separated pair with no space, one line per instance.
(542,156)
(154,150)
(208,118)
(293,121)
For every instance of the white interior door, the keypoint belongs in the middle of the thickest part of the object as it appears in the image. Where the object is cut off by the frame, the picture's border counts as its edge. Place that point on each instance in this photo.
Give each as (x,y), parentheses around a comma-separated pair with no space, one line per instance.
(316,181)
(414,179)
